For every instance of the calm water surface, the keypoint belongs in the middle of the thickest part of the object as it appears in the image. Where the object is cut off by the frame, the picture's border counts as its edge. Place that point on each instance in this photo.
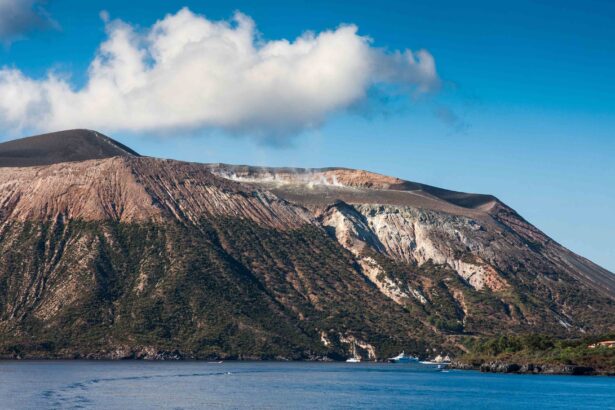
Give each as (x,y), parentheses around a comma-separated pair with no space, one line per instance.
(193,385)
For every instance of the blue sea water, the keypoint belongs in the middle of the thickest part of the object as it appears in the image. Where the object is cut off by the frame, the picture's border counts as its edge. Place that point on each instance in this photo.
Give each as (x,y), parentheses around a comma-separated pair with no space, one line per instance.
(268,385)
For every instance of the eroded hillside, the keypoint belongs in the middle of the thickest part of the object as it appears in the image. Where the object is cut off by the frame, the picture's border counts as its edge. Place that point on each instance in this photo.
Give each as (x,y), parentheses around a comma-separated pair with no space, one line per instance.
(139,257)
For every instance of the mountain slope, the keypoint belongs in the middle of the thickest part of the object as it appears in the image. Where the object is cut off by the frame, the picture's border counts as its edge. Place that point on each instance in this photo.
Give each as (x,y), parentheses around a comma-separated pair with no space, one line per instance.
(382,198)
(63,146)
(133,256)
(129,256)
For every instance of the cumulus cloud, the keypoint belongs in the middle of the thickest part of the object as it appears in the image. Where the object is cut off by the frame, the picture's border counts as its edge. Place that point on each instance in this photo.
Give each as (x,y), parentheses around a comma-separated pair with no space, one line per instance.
(188,73)
(18,17)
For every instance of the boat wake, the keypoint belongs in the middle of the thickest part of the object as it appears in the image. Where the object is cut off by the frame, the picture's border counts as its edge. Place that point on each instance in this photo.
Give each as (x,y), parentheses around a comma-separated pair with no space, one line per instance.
(75,395)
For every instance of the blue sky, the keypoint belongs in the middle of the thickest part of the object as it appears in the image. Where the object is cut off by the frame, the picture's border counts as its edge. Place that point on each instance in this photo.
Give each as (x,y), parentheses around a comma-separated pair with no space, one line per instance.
(525,107)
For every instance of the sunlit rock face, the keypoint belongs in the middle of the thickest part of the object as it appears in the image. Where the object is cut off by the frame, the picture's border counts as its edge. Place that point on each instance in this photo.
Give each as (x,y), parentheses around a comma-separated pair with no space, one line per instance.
(415,236)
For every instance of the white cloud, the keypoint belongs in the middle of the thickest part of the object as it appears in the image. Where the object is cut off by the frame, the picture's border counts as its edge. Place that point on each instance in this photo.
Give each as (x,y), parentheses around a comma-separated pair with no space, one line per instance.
(187,72)
(18,17)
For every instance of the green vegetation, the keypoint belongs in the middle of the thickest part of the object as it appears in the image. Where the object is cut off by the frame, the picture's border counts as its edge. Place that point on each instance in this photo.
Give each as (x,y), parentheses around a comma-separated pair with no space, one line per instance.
(231,288)
(541,350)
(223,288)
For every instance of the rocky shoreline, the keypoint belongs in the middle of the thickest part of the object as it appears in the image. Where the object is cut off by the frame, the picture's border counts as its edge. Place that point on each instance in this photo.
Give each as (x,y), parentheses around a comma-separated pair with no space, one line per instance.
(149,354)
(530,368)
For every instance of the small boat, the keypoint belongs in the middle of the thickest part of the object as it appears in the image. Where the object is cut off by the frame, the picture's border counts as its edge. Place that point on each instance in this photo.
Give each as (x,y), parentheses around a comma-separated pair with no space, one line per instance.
(353,360)
(402,358)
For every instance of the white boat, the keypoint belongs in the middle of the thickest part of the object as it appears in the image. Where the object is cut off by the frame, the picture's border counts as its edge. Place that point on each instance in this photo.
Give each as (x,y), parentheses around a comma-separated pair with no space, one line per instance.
(353,360)
(442,362)
(402,358)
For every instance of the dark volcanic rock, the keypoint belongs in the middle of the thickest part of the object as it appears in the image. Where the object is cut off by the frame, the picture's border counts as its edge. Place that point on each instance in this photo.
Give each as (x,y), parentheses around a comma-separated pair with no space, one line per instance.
(62,146)
(502,367)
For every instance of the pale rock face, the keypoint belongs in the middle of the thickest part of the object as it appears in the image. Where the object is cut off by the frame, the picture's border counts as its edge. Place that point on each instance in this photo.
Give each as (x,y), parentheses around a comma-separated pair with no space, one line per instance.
(409,235)
(378,276)
(397,233)
(478,276)
(352,231)
(414,235)
(356,342)
(418,295)
(324,339)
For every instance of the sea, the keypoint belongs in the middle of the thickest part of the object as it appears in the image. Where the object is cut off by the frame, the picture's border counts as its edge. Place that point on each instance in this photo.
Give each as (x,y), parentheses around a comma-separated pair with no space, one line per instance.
(287,385)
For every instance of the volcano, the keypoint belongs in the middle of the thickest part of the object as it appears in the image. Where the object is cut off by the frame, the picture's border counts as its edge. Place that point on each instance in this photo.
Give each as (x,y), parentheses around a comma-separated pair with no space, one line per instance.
(108,254)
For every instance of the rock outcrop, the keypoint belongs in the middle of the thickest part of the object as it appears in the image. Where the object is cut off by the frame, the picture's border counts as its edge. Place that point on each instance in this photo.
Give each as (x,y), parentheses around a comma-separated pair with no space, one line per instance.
(530,368)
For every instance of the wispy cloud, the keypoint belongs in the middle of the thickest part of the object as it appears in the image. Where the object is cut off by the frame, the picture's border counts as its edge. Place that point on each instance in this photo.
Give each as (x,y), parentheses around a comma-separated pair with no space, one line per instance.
(19,17)
(450,118)
(188,73)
